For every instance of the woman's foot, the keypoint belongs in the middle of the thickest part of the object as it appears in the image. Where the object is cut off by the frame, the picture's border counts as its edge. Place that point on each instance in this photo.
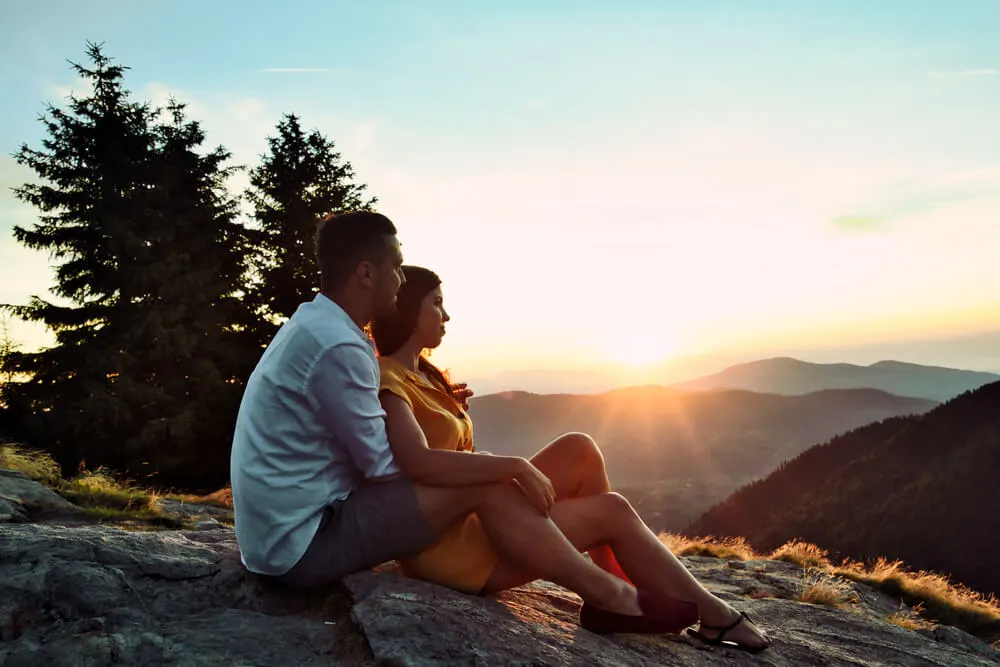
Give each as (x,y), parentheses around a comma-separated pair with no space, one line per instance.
(734,628)
(657,615)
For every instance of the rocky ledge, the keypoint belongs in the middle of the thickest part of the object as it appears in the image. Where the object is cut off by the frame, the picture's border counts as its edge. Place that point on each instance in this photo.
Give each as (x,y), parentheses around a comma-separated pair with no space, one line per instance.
(78,594)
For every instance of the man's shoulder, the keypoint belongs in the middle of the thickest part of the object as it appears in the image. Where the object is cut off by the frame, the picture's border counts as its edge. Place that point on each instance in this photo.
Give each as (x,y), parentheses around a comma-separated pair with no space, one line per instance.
(311,322)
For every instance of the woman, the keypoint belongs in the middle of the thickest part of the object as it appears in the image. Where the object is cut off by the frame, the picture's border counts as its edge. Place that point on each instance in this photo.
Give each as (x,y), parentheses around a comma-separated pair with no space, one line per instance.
(590,516)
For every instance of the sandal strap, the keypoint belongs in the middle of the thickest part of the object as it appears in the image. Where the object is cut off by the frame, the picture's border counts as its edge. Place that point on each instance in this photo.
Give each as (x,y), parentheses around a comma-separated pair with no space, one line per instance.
(723,630)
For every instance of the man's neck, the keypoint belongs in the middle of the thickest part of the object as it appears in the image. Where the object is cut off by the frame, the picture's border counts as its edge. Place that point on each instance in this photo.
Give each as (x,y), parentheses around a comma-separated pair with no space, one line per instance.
(359,312)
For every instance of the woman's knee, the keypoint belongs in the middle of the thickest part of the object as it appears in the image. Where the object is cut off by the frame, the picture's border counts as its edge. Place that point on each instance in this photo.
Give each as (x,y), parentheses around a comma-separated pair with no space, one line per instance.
(618,506)
(606,517)
(582,449)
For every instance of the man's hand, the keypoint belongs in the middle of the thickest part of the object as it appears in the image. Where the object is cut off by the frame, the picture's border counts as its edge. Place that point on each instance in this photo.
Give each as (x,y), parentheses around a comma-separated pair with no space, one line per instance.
(536,487)
(463,394)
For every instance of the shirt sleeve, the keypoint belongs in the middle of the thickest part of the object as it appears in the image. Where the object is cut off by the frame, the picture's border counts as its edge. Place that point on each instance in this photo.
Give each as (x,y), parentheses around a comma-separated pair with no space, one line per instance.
(392,383)
(343,389)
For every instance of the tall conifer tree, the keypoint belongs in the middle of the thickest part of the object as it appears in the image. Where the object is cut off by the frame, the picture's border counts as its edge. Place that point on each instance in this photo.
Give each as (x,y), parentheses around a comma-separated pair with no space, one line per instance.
(300,180)
(152,337)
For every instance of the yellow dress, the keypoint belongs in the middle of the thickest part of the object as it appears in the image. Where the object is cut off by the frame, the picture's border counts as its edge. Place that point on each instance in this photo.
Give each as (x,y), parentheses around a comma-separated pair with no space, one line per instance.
(463,557)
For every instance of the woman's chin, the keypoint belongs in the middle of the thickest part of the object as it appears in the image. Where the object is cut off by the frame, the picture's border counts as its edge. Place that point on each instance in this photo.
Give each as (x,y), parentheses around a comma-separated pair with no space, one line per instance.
(432,344)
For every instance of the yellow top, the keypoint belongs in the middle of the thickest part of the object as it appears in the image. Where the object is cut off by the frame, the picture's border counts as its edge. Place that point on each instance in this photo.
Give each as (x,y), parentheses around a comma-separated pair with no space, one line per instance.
(463,557)
(444,423)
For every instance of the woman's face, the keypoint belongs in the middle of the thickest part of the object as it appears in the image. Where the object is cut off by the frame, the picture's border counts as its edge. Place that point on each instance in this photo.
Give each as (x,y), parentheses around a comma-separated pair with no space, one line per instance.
(431,319)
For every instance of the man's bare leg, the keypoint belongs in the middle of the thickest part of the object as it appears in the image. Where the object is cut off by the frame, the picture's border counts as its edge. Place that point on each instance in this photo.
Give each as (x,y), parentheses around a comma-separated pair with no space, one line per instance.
(528,540)
(575,466)
(609,519)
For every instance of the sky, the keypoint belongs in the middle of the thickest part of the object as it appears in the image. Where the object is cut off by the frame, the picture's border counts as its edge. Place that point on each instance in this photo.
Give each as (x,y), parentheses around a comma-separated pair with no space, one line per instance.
(612,193)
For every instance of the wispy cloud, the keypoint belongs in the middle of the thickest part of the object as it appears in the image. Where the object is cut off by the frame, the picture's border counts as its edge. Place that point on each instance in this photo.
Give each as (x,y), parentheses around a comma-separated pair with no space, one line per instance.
(861,223)
(961,74)
(923,196)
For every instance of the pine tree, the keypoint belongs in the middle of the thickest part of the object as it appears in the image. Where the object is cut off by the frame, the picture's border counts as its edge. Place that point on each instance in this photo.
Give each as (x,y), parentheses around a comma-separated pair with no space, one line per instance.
(155,341)
(94,166)
(191,347)
(300,180)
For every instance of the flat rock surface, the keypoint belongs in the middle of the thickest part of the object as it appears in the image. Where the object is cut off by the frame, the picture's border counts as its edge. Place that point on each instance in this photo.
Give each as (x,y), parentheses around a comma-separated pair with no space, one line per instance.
(21,498)
(86,595)
(409,622)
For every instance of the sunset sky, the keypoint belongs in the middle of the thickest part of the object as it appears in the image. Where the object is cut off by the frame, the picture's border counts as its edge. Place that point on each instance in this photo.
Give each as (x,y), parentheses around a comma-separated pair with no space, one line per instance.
(630,191)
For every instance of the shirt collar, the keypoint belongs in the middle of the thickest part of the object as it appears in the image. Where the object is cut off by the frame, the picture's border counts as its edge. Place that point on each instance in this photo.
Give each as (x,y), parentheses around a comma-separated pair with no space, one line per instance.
(331,306)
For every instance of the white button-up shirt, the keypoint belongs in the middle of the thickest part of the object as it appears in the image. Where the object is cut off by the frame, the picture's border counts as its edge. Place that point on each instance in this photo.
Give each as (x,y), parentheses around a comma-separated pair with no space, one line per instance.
(310,428)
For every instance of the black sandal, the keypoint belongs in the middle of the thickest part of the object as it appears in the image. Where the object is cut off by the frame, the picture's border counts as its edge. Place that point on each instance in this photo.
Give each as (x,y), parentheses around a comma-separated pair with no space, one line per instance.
(720,639)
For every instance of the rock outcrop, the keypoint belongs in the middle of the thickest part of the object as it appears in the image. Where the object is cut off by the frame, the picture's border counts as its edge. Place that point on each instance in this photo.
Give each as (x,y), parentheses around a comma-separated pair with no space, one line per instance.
(97,595)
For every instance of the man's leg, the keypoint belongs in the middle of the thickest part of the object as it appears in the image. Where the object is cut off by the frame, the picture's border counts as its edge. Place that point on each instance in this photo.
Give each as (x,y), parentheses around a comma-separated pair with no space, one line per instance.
(527,540)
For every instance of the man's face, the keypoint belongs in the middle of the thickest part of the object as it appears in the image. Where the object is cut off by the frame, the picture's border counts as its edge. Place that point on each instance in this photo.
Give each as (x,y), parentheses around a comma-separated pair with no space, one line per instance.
(389,277)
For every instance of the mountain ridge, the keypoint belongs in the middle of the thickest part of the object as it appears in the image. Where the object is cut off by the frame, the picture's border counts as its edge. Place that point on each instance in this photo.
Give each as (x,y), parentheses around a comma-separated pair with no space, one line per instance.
(790,376)
(918,488)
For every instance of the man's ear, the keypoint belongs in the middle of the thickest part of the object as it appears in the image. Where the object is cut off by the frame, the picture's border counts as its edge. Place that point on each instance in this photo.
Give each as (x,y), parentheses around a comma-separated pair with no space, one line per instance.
(365,273)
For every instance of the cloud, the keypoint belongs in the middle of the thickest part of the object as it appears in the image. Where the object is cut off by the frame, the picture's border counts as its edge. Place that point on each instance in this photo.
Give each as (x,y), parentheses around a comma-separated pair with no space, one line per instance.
(861,223)
(923,196)
(961,74)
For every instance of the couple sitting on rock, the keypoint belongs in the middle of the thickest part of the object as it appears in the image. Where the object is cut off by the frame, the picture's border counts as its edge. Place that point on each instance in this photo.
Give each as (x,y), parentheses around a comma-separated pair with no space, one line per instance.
(343,460)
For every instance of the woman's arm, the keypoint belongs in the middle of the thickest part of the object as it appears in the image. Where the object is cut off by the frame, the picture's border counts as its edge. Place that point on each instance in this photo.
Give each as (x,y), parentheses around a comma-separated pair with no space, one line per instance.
(438,467)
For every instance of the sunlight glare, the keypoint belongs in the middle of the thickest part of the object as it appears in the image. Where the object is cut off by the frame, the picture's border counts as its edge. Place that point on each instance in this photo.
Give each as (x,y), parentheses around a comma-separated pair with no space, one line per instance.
(640,349)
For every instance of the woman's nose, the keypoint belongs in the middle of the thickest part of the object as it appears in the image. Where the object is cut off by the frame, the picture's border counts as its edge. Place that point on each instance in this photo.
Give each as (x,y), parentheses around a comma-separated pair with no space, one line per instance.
(445,316)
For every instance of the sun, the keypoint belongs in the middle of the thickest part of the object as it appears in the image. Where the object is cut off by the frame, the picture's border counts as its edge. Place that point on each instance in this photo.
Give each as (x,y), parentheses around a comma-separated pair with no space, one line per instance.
(630,348)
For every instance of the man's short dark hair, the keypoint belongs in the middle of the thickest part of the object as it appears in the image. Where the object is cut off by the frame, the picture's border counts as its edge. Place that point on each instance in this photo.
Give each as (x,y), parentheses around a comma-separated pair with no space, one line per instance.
(345,239)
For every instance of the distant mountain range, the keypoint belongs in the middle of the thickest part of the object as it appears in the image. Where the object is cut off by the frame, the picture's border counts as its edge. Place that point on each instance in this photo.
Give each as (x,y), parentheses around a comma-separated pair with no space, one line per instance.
(790,377)
(676,453)
(920,488)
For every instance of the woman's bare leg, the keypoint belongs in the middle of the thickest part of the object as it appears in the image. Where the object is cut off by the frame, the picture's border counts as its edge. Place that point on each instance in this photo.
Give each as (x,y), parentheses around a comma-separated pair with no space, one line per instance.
(608,518)
(527,540)
(575,465)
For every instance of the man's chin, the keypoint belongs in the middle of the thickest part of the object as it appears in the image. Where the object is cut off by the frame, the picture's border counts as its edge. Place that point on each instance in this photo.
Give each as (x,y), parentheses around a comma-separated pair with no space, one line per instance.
(385,310)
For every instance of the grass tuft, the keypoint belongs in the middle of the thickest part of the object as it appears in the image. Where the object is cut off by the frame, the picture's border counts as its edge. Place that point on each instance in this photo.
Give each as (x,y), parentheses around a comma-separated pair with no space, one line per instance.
(801,553)
(100,494)
(933,595)
(222,498)
(730,548)
(909,618)
(821,587)
(35,464)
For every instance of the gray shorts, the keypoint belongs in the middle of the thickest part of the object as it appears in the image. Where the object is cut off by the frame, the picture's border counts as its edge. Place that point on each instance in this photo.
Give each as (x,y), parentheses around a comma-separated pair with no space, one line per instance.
(379,521)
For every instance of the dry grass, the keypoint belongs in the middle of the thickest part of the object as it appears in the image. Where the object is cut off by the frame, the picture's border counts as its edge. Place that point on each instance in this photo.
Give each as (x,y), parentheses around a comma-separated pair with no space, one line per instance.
(730,548)
(821,587)
(100,494)
(909,618)
(801,553)
(37,465)
(933,595)
(221,498)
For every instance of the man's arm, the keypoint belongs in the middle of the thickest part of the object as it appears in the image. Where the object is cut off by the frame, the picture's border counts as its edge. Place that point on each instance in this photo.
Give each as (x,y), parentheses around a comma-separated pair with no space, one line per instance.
(343,389)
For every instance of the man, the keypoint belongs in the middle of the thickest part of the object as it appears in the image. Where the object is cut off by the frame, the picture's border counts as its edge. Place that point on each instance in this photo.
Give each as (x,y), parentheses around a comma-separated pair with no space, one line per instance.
(316,491)
(318,495)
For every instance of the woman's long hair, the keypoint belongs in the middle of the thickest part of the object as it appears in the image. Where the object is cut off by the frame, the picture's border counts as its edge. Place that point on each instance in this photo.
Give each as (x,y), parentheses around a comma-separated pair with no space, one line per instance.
(392,330)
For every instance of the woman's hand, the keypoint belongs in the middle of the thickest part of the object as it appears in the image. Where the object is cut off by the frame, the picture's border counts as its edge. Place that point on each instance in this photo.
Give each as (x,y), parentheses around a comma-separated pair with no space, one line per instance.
(536,486)
(463,394)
